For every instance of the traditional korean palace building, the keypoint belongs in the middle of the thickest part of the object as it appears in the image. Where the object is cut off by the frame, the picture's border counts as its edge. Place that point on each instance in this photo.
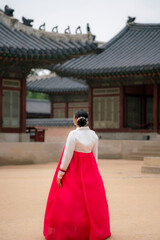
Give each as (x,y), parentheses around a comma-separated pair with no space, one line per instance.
(124,81)
(21,49)
(66,95)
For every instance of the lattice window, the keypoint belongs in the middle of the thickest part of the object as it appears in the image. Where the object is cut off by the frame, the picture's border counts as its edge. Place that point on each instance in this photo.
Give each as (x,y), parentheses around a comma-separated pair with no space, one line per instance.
(11,109)
(74,107)
(106,112)
(59,110)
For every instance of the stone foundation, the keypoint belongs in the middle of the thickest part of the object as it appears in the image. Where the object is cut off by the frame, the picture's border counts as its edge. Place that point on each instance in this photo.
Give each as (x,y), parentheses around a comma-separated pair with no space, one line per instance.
(14,137)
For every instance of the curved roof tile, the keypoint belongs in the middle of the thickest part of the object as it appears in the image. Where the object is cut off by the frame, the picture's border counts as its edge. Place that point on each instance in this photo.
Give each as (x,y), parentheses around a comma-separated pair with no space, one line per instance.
(53,84)
(18,40)
(135,48)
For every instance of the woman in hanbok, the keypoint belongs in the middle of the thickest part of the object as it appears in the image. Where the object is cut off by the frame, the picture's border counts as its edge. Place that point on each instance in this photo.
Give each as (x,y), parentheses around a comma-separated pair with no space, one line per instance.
(77,207)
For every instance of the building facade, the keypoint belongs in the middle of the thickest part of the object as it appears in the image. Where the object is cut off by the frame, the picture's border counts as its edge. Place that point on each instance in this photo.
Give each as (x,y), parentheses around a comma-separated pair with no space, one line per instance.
(67,95)
(124,81)
(21,49)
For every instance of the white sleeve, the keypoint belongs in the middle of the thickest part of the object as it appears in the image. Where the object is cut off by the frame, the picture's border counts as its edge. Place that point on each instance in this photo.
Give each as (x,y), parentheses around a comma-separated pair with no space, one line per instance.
(67,155)
(95,150)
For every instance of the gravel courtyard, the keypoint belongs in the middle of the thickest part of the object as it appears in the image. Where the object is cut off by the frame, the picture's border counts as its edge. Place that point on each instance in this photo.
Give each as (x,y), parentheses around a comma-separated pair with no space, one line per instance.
(133,198)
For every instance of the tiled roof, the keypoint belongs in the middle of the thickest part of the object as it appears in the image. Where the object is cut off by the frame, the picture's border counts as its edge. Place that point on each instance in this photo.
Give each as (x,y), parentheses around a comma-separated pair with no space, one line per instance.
(20,41)
(49,122)
(40,106)
(134,50)
(53,84)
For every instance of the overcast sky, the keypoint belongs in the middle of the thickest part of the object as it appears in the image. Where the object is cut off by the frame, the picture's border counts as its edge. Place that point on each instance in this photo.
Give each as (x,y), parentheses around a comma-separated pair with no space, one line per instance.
(106,17)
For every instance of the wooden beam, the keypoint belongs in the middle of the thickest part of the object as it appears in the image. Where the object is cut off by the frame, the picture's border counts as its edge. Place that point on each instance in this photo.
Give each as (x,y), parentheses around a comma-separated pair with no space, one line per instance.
(155,108)
(51,111)
(66,110)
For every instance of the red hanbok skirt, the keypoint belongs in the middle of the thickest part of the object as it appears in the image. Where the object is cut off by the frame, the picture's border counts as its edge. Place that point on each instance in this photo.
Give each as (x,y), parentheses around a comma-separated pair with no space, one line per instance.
(78,210)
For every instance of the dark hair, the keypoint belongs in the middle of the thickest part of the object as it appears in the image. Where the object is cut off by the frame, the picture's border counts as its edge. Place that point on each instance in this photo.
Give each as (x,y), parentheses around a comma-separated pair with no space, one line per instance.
(82,117)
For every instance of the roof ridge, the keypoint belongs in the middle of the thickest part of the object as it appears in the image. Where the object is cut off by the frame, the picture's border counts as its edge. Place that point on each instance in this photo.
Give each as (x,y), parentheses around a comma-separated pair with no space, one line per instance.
(129,26)
(144,25)
(15,24)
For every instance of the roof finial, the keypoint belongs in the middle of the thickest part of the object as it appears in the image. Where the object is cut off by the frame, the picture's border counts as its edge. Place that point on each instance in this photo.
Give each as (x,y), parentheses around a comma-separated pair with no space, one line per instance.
(8,11)
(78,29)
(131,20)
(27,22)
(42,27)
(67,30)
(88,28)
(55,29)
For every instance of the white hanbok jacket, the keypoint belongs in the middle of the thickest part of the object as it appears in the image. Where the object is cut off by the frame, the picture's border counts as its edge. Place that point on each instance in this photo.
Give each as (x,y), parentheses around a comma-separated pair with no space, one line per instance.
(82,139)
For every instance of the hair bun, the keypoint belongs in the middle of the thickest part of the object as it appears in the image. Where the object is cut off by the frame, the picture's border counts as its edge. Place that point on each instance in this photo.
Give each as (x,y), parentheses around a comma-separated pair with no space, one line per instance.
(82,117)
(82,121)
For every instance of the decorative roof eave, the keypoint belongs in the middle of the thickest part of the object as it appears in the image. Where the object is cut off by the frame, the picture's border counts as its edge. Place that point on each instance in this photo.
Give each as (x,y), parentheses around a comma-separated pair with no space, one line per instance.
(55,57)
(104,74)
(59,91)
(52,84)
(134,50)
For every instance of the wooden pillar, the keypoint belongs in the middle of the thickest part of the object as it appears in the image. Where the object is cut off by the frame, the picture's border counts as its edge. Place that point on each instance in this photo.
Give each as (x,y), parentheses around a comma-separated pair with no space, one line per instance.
(90,107)
(125,111)
(23,105)
(1,105)
(122,108)
(66,110)
(155,108)
(143,114)
(51,112)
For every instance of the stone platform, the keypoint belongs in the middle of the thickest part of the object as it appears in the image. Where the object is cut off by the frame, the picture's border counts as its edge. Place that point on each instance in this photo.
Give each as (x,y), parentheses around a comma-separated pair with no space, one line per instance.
(151,165)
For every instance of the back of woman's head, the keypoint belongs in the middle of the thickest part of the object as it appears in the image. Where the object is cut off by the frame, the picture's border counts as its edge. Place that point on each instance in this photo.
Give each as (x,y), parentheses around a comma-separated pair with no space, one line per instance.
(82,117)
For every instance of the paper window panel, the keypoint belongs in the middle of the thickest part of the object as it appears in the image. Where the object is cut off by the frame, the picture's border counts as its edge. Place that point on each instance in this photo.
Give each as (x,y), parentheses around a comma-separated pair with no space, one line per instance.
(59,110)
(59,113)
(106,112)
(11,108)
(71,112)
(74,107)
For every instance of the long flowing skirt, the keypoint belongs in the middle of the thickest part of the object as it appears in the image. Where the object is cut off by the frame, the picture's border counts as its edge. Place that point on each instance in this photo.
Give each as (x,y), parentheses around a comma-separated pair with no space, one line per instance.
(78,210)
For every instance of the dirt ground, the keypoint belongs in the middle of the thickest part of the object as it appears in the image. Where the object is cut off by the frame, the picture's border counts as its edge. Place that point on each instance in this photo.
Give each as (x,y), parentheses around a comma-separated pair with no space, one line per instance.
(133,198)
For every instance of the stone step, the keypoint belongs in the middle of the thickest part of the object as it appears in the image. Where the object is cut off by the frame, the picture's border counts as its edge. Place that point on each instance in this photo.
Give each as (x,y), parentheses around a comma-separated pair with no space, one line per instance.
(149,150)
(150,169)
(146,154)
(131,157)
(140,155)
(151,146)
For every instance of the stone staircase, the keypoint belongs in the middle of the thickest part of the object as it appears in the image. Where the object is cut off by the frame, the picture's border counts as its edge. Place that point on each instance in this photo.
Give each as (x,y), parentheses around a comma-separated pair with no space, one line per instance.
(146,150)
